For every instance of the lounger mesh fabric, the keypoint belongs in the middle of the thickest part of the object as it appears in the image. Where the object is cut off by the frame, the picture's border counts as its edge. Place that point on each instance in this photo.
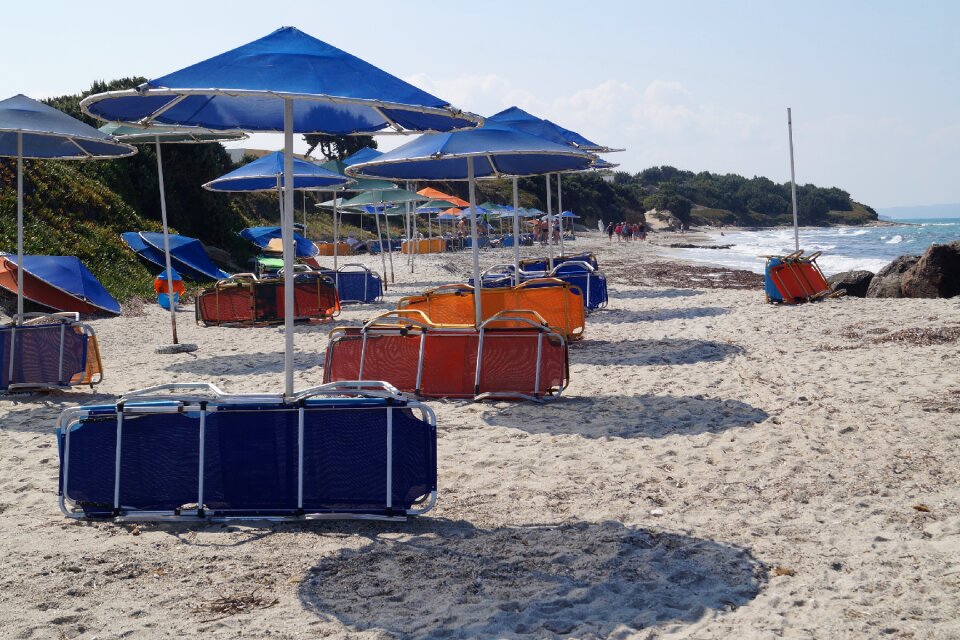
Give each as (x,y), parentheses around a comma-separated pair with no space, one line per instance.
(442,362)
(591,282)
(560,304)
(356,283)
(542,264)
(57,354)
(326,249)
(425,245)
(359,456)
(794,278)
(242,300)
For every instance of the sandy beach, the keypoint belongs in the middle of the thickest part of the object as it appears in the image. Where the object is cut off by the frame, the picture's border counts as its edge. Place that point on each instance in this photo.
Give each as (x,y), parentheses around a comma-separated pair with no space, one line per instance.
(718,467)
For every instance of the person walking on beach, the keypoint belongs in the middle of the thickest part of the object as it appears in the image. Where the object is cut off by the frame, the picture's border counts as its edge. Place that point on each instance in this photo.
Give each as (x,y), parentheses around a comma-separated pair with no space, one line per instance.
(642,228)
(619,232)
(610,229)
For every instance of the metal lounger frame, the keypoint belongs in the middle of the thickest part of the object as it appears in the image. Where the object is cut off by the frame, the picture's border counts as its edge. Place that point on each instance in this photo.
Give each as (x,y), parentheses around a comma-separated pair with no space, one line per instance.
(67,319)
(353,266)
(403,320)
(153,400)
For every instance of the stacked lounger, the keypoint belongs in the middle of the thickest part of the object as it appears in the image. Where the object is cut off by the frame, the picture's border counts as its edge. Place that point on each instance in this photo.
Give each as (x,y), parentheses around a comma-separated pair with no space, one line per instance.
(592,282)
(793,278)
(514,354)
(359,450)
(244,299)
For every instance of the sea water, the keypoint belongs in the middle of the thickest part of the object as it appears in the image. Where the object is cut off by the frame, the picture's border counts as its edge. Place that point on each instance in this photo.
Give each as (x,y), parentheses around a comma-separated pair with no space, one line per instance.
(844,248)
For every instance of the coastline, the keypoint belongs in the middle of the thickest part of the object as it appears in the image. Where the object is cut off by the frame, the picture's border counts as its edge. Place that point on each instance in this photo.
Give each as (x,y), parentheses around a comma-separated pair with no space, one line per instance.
(718,466)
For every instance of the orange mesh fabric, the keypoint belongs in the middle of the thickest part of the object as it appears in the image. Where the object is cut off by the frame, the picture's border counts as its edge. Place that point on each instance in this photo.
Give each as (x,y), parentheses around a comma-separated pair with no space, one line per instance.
(426,245)
(560,305)
(449,365)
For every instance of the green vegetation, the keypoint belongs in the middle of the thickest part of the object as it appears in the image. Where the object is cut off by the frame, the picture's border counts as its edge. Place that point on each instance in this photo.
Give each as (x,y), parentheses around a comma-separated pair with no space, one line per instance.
(80,208)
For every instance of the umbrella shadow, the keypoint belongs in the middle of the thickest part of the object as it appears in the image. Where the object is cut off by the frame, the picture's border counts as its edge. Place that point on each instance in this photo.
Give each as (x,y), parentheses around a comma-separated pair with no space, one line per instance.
(668,351)
(38,412)
(643,416)
(659,315)
(574,579)
(237,364)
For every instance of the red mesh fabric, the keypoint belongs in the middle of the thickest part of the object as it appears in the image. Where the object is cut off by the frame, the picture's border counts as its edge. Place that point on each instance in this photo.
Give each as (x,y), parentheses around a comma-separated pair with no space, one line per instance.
(263,302)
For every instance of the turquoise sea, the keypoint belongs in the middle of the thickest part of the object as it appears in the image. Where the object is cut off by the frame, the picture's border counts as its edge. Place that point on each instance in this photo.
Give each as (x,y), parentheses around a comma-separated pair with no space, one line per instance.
(844,248)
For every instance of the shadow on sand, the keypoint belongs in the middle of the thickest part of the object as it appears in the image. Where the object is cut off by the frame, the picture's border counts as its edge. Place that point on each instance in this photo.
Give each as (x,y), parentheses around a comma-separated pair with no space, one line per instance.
(437,580)
(654,293)
(243,364)
(644,416)
(668,351)
(614,316)
(38,412)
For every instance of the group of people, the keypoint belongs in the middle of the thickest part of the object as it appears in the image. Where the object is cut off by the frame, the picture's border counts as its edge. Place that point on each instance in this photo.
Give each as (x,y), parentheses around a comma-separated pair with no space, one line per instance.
(542,233)
(626,231)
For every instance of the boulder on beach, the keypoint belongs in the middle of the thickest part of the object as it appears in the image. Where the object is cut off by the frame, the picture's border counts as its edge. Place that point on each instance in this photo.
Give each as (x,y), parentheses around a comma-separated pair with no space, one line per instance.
(935,275)
(886,284)
(855,283)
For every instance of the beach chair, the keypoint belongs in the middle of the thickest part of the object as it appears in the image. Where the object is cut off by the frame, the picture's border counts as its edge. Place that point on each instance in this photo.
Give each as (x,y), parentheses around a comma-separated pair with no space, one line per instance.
(244,299)
(512,355)
(189,452)
(793,278)
(542,264)
(424,245)
(326,249)
(559,303)
(49,351)
(590,281)
(356,282)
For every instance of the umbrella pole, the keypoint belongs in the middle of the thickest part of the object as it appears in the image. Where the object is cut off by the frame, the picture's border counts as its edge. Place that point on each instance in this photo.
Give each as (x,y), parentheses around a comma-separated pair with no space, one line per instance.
(516,235)
(549,226)
(336,232)
(166,243)
(475,237)
(386,221)
(793,185)
(383,256)
(19,317)
(286,230)
(560,211)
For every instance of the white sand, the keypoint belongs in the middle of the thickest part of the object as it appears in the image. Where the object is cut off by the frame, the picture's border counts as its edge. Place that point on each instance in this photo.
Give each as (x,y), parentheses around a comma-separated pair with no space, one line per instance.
(718,467)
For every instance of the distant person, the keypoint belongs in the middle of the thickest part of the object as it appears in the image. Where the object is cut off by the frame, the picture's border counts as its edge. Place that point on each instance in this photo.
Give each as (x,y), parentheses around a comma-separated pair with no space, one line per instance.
(610,228)
(642,231)
(619,232)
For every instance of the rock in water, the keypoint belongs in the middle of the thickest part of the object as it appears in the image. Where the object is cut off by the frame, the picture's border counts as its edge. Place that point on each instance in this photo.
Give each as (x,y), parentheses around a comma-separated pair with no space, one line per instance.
(935,275)
(855,283)
(886,284)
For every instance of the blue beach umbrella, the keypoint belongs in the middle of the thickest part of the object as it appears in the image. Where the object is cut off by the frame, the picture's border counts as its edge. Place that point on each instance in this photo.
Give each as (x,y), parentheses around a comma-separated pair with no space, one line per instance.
(286,81)
(521,120)
(31,129)
(468,155)
(168,135)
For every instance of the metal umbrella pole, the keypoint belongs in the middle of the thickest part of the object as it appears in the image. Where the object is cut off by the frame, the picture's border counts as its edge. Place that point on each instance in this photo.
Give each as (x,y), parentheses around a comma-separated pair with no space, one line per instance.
(383,256)
(516,234)
(386,221)
(549,225)
(19,317)
(166,243)
(286,232)
(336,233)
(475,241)
(793,185)
(560,211)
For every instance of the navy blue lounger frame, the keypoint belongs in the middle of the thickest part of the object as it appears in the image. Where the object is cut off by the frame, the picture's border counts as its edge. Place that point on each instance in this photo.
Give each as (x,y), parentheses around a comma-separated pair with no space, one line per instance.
(356,283)
(341,450)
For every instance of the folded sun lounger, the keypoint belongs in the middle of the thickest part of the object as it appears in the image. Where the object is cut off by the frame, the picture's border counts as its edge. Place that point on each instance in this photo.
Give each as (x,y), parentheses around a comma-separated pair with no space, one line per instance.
(356,283)
(794,278)
(541,264)
(245,299)
(592,282)
(49,351)
(512,355)
(345,450)
(559,303)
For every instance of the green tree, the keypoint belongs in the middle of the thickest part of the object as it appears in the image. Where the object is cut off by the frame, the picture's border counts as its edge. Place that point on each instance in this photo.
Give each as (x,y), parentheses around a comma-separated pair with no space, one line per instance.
(337,147)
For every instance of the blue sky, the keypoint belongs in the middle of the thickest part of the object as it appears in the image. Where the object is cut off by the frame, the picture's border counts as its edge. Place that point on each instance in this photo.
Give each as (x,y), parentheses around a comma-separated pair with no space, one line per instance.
(699,85)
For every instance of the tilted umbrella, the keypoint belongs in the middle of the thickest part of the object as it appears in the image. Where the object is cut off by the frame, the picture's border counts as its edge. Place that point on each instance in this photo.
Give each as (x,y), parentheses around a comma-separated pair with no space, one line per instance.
(166,135)
(31,129)
(468,155)
(286,81)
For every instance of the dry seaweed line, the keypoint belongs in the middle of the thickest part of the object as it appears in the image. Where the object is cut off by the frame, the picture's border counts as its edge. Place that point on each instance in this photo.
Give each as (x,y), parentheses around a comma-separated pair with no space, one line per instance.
(232,605)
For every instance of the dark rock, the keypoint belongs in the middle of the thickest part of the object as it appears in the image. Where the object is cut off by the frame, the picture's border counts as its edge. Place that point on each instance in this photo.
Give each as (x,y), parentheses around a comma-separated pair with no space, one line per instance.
(687,245)
(886,284)
(935,275)
(855,283)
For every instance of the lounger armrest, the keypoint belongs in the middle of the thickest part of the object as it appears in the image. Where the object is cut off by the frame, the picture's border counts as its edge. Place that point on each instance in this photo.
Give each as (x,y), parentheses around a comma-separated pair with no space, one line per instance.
(451,288)
(547,280)
(410,317)
(362,388)
(497,268)
(586,266)
(239,277)
(39,316)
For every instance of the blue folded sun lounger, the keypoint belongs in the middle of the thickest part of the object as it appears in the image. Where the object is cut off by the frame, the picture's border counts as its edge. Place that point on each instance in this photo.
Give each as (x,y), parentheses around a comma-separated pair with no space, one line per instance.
(56,351)
(341,450)
(356,283)
(591,282)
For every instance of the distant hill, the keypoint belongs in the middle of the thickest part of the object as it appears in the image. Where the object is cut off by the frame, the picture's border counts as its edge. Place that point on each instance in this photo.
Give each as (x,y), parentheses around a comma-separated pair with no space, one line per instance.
(951,210)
